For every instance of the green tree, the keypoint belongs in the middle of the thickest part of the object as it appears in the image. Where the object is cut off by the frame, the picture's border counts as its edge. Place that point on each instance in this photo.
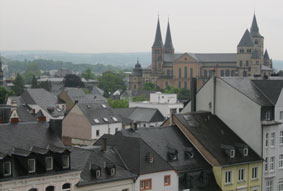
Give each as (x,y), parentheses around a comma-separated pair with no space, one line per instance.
(183,94)
(46,85)
(32,70)
(110,82)
(72,80)
(122,103)
(88,74)
(4,93)
(139,98)
(19,85)
(149,86)
(34,82)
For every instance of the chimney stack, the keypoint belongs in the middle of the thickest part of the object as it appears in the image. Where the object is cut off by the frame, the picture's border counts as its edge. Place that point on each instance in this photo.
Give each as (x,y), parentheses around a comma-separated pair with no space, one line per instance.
(193,94)
(213,91)
(104,144)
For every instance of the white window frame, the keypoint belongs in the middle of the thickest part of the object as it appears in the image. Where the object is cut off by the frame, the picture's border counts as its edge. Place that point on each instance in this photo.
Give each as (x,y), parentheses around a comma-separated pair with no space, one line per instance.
(98,173)
(112,171)
(246,151)
(266,139)
(51,164)
(241,175)
(281,138)
(272,139)
(9,167)
(271,163)
(254,173)
(281,115)
(66,157)
(267,115)
(228,179)
(269,185)
(266,164)
(34,165)
(280,161)
(280,185)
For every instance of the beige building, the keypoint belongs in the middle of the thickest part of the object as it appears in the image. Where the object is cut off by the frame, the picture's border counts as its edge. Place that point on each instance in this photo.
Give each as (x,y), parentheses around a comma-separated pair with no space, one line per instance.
(176,69)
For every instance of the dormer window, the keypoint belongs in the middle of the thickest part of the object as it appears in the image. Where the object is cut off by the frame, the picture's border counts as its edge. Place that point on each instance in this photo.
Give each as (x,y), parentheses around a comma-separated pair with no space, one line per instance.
(97,173)
(105,119)
(114,119)
(112,171)
(7,169)
(149,157)
(49,163)
(232,153)
(267,116)
(245,151)
(189,153)
(31,165)
(65,161)
(173,155)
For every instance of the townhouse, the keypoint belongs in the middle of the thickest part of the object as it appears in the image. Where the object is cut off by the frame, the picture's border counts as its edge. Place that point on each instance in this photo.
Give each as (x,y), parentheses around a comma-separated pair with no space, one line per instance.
(253,109)
(87,122)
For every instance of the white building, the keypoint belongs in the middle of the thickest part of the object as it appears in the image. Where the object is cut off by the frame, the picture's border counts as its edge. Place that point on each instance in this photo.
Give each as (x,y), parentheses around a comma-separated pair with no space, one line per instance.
(165,103)
(253,108)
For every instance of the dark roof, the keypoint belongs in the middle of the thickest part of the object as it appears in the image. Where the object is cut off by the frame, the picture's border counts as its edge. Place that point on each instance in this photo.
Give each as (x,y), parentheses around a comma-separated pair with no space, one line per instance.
(5,111)
(134,152)
(24,114)
(266,56)
(214,135)
(26,135)
(77,94)
(98,111)
(43,98)
(248,88)
(139,114)
(246,39)
(158,38)
(82,159)
(162,139)
(255,54)
(168,41)
(254,28)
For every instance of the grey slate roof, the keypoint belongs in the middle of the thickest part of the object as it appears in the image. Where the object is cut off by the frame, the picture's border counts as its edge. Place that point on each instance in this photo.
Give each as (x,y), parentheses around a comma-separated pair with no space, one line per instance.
(254,28)
(97,111)
(42,98)
(217,57)
(213,134)
(264,68)
(246,39)
(266,56)
(158,38)
(24,114)
(77,94)
(139,114)
(83,158)
(134,152)
(168,41)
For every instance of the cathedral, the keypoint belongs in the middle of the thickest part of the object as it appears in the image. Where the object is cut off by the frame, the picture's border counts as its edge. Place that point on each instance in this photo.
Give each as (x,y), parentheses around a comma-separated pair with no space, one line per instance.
(176,69)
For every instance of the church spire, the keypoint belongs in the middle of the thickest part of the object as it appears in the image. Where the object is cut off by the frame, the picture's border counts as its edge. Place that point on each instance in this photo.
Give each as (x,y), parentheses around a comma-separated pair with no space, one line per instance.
(254,28)
(158,38)
(168,41)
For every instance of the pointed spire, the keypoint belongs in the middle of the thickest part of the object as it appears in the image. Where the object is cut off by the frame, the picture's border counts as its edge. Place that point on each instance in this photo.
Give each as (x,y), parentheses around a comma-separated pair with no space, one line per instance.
(266,56)
(158,38)
(254,28)
(168,41)
(246,39)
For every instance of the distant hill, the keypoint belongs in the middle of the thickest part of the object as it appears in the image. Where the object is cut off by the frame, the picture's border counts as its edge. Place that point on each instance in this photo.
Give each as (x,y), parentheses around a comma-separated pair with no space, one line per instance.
(278,64)
(124,60)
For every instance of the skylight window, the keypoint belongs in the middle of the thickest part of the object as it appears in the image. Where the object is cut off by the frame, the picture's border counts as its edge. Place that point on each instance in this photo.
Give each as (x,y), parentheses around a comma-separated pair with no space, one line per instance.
(105,119)
(115,119)
(96,120)
(103,105)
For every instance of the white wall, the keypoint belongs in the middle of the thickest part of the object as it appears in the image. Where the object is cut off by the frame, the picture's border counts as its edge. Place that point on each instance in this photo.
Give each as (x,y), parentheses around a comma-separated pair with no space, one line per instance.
(158,181)
(45,113)
(159,97)
(105,129)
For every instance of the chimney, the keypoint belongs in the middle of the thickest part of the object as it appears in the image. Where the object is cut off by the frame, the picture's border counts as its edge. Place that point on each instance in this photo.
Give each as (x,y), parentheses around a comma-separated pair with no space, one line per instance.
(104,144)
(14,120)
(171,118)
(193,94)
(41,119)
(213,91)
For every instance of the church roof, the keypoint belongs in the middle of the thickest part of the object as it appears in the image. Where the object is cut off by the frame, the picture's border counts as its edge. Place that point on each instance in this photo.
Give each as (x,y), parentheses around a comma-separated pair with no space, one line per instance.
(158,38)
(266,56)
(246,39)
(254,28)
(168,42)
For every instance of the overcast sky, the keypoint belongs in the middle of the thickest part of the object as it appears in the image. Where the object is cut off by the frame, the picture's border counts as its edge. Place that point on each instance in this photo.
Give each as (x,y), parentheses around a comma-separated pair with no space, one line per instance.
(97,26)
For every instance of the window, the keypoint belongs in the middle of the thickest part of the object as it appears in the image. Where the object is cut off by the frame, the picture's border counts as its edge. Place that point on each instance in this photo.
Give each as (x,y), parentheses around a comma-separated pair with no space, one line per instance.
(272,139)
(281,138)
(105,119)
(233,73)
(227,73)
(269,185)
(126,189)
(256,41)
(271,163)
(112,171)
(180,72)
(222,73)
(50,188)
(191,72)
(249,50)
(228,177)
(103,105)
(241,63)
(66,187)
(186,72)
(65,161)
(33,189)
(255,173)
(145,184)
(281,115)
(167,180)
(166,84)
(96,120)
(266,139)
(281,161)
(246,151)
(49,163)
(241,176)
(242,50)
(115,119)
(97,133)
(266,164)
(135,87)
(232,153)
(7,170)
(267,116)
(247,63)
(244,73)
(280,185)
(31,165)
(97,173)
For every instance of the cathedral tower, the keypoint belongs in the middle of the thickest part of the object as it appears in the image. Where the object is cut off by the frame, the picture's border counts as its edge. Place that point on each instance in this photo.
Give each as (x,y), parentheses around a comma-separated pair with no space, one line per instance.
(168,46)
(256,36)
(157,51)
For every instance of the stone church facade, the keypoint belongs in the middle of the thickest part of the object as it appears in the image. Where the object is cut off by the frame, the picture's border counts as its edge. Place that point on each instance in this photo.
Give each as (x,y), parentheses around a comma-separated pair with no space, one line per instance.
(176,69)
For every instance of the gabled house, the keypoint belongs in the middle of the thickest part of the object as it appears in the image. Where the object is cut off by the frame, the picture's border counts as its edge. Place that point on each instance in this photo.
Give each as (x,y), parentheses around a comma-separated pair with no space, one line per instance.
(153,172)
(253,109)
(194,172)
(236,166)
(32,158)
(44,101)
(100,173)
(143,117)
(87,122)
